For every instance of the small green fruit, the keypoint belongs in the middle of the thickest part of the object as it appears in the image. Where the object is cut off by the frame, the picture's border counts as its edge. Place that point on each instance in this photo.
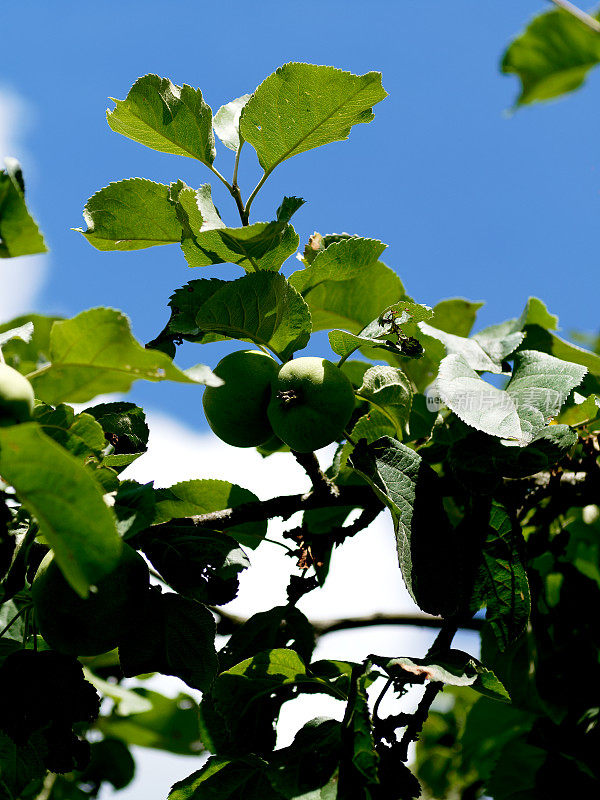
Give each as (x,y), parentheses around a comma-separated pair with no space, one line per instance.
(16,397)
(94,625)
(237,411)
(311,403)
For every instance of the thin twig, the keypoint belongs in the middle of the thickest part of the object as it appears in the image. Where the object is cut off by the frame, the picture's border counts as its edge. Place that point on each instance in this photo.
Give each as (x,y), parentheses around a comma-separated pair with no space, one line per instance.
(234,182)
(255,191)
(578,14)
(414,728)
(13,620)
(229,622)
(442,641)
(219,176)
(323,627)
(382,694)
(283,506)
(310,464)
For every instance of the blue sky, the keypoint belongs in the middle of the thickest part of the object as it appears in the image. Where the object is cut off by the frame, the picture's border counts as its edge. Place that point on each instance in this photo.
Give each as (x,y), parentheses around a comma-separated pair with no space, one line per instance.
(471,200)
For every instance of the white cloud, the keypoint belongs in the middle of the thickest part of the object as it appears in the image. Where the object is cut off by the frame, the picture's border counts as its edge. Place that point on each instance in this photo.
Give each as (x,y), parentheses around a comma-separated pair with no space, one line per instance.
(20,278)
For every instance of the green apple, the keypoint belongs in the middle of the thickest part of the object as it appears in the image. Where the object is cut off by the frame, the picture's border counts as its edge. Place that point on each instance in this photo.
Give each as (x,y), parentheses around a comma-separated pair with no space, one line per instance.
(311,403)
(237,410)
(94,625)
(16,397)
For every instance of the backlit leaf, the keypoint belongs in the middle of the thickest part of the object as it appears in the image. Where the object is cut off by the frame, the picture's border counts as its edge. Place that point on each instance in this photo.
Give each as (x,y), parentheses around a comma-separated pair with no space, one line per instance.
(195,497)
(131,215)
(95,353)
(301,106)
(339,262)
(166,117)
(226,122)
(262,308)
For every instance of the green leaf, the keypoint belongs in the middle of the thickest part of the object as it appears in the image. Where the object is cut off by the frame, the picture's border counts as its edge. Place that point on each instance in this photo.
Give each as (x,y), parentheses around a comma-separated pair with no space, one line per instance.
(126,701)
(203,566)
(514,776)
(130,215)
(65,500)
(480,461)
(16,633)
(134,507)
(175,636)
(385,333)
(269,630)
(422,418)
(390,391)
(364,757)
(227,122)
(537,338)
(307,768)
(266,672)
(79,434)
(194,208)
(371,427)
(489,726)
(538,388)
(354,303)
(455,315)
(536,313)
(19,234)
(476,402)
(185,303)
(499,341)
(344,344)
(470,349)
(194,497)
(552,56)
(125,428)
(27,356)
(20,764)
(409,488)
(95,353)
(225,779)
(110,762)
(262,308)
(166,117)
(581,412)
(302,106)
(261,246)
(501,581)
(339,262)
(170,724)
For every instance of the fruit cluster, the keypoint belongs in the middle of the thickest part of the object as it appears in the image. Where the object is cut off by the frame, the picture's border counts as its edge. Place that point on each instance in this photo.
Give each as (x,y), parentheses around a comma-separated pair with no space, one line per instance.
(306,403)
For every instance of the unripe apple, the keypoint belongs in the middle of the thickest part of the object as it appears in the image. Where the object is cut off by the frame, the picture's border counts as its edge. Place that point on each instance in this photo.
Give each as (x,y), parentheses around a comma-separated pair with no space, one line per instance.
(311,403)
(16,397)
(237,410)
(89,626)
